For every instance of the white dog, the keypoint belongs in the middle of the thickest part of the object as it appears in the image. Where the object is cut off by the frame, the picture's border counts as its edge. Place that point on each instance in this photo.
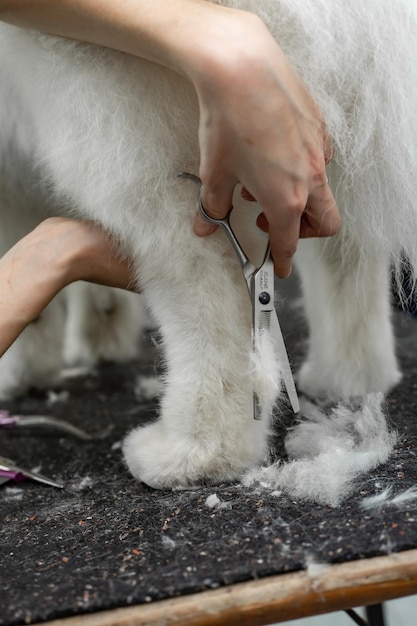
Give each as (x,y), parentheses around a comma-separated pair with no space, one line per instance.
(102,135)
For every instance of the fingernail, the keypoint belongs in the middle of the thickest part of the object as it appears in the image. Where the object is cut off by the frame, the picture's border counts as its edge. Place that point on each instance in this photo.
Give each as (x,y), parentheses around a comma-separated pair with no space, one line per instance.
(246,195)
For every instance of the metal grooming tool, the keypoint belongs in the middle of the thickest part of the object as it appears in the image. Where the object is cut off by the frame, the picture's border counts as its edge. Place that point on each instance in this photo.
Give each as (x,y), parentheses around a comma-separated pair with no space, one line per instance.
(8,468)
(10,471)
(260,282)
(27,421)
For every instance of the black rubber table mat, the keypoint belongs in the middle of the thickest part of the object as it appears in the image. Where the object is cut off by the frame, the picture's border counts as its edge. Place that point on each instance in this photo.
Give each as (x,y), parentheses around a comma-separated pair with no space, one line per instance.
(106,541)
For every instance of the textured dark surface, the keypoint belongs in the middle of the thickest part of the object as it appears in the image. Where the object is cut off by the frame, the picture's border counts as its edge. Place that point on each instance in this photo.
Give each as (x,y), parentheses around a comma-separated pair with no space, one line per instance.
(106,541)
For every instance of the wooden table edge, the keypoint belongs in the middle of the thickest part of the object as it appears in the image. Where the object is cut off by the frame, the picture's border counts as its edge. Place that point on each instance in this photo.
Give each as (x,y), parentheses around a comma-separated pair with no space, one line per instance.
(320,589)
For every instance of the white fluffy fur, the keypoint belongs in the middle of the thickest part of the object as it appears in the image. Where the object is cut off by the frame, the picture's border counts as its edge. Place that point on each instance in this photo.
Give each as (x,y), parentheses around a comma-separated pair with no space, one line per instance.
(386,499)
(108,132)
(327,453)
(102,324)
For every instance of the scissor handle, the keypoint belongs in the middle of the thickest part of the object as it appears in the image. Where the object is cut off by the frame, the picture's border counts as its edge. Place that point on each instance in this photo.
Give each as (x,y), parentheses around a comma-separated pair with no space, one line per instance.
(224,222)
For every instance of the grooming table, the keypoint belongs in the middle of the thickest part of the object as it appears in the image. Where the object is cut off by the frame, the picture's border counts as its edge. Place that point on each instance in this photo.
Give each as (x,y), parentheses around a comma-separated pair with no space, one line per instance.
(107,551)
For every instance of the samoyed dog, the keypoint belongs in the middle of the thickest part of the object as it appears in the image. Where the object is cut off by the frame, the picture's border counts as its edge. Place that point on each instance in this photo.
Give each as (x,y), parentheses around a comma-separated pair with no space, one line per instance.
(101,135)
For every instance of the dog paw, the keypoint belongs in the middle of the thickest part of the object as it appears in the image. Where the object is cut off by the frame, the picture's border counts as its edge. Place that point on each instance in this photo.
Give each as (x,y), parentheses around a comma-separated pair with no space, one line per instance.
(165,459)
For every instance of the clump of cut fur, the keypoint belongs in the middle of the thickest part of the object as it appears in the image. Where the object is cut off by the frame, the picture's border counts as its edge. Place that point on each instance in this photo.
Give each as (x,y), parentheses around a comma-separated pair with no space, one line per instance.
(328,452)
(387,498)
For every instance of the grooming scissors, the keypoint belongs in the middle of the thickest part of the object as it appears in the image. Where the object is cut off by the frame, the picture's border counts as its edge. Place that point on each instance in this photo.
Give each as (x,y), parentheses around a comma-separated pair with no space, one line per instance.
(27,421)
(10,471)
(260,283)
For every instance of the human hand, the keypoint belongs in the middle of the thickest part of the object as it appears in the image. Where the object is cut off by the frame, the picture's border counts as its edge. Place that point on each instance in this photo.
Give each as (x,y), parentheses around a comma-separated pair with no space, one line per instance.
(93,255)
(64,250)
(258,123)
(57,252)
(259,126)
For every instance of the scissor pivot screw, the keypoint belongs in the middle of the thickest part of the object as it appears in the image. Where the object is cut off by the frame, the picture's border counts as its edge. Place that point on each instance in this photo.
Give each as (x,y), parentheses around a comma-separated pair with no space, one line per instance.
(264,297)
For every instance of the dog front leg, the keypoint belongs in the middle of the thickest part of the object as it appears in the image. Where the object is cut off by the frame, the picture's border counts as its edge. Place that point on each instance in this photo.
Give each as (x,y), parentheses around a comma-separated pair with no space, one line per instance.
(347,301)
(206,431)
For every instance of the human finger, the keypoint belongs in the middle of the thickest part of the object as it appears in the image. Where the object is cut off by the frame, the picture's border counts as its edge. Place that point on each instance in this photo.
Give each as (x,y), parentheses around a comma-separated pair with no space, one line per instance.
(321,217)
(284,243)
(202,227)
(216,201)
(283,223)
(262,222)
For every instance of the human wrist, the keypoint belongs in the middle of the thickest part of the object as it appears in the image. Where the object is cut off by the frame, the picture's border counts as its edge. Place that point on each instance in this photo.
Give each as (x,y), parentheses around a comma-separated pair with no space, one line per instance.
(189,36)
(216,45)
(157,30)
(29,282)
(192,37)
(96,257)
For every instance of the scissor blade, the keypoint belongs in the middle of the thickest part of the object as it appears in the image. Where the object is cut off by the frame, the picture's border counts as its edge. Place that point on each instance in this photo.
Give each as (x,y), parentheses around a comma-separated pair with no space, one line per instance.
(42,479)
(9,470)
(51,422)
(262,323)
(276,334)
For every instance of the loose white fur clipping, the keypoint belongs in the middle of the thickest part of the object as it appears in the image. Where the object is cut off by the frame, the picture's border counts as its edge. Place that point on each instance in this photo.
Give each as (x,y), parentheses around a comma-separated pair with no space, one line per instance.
(148,388)
(213,502)
(387,499)
(167,542)
(329,452)
(315,570)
